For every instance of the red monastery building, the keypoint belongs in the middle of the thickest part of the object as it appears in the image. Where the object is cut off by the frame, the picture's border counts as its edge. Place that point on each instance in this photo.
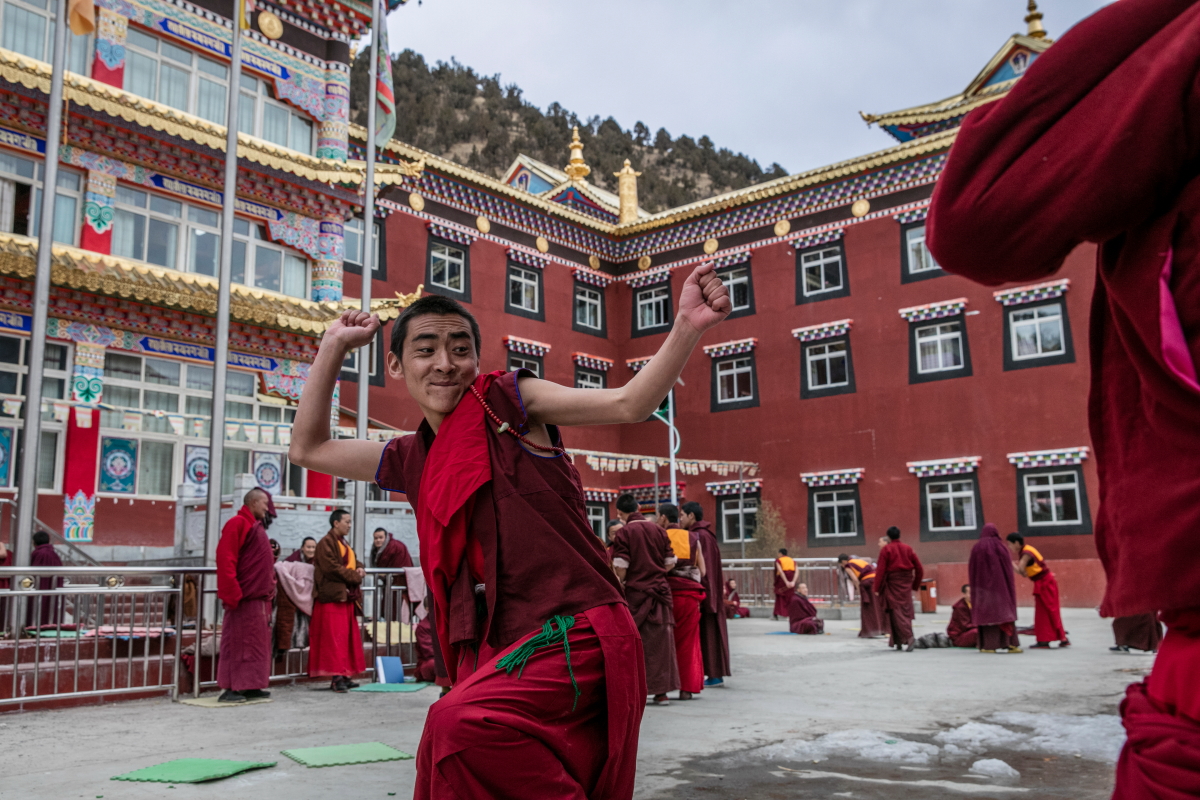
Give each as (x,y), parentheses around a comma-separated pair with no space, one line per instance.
(870,387)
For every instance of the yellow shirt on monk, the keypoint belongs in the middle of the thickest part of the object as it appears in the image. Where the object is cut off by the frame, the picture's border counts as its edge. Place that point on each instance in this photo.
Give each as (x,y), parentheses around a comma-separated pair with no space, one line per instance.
(342,548)
(786,563)
(1037,565)
(680,543)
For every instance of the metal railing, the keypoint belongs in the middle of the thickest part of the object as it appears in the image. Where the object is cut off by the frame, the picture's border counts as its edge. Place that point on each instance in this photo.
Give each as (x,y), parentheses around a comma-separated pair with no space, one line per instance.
(77,632)
(756,580)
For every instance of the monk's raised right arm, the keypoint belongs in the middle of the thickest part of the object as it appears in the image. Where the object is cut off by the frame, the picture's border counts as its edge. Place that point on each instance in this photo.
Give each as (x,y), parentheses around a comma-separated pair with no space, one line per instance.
(311,445)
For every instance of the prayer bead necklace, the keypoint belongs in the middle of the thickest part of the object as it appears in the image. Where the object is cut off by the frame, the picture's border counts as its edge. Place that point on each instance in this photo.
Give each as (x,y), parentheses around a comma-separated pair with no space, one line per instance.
(504,427)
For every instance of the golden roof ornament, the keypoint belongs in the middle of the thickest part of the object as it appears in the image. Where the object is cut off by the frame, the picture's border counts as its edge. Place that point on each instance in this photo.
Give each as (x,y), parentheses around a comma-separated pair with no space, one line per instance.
(576,169)
(627,192)
(1034,20)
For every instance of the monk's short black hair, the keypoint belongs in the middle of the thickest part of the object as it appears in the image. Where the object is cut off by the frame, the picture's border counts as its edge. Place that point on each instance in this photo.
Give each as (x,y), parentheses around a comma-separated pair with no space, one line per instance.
(432,304)
(40,538)
(306,540)
(337,515)
(964,588)
(783,551)
(627,503)
(377,530)
(693,508)
(893,533)
(1016,538)
(670,512)
(843,557)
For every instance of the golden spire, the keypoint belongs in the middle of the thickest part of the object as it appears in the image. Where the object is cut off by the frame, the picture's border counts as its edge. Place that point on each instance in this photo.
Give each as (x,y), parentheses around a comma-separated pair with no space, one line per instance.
(1034,20)
(576,169)
(627,192)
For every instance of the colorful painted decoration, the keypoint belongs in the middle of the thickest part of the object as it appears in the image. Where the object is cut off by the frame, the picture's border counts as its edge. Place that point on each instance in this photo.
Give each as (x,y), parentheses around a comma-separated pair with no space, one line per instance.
(726,488)
(833,477)
(527,347)
(6,445)
(118,465)
(944,466)
(1032,293)
(268,471)
(195,465)
(733,348)
(79,515)
(946,308)
(825,330)
(1062,457)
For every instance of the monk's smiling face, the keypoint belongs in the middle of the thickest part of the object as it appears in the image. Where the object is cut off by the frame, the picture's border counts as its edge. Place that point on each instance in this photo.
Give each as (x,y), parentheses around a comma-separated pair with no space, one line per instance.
(438,365)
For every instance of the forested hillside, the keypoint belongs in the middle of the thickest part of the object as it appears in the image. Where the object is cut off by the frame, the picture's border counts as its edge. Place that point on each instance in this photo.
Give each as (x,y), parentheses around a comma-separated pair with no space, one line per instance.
(454,112)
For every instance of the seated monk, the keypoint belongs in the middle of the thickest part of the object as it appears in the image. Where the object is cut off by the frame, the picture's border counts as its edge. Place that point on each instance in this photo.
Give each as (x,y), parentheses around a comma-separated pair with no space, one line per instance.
(802,615)
(733,602)
(961,629)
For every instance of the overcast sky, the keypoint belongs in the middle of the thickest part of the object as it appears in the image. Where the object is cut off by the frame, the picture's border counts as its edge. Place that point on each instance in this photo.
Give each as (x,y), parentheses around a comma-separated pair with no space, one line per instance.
(780,80)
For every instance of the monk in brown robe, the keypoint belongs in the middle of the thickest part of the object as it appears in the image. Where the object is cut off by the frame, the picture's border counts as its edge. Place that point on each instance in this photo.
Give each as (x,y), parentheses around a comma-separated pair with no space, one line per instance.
(517,575)
(802,614)
(961,630)
(898,575)
(785,583)
(642,557)
(861,573)
(714,635)
(245,586)
(1138,632)
(687,594)
(335,643)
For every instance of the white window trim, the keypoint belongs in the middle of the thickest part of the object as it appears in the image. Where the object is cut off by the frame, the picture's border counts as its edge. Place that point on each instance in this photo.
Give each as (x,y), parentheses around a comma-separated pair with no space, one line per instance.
(451,260)
(597,518)
(659,296)
(526,279)
(195,74)
(73,42)
(1036,323)
(49,425)
(835,504)
(733,367)
(825,256)
(951,494)
(940,337)
(734,276)
(1050,489)
(587,373)
(518,361)
(748,508)
(812,358)
(261,97)
(914,240)
(593,299)
(354,227)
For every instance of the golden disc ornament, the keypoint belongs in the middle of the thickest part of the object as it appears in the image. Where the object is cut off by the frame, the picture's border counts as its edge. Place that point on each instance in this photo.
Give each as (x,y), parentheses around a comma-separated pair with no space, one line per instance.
(416,202)
(543,246)
(594,262)
(711,246)
(782,227)
(644,262)
(270,25)
(861,208)
(483,224)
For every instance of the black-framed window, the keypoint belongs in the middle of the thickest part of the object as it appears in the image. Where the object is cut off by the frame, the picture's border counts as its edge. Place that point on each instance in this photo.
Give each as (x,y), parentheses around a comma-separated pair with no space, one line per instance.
(737,515)
(1037,335)
(448,269)
(951,507)
(353,253)
(350,365)
(738,281)
(588,312)
(597,514)
(534,364)
(652,309)
(734,382)
(525,292)
(835,516)
(590,378)
(826,368)
(938,349)
(1052,501)
(916,262)
(821,273)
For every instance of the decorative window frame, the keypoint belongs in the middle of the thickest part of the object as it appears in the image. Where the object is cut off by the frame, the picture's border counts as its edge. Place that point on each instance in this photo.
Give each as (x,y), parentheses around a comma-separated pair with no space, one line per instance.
(526,350)
(843,291)
(589,286)
(349,371)
(740,349)
(750,502)
(909,221)
(960,470)
(636,364)
(727,264)
(1034,296)
(379,268)
(933,314)
(1040,462)
(603,517)
(449,237)
(825,333)
(838,480)
(663,282)
(588,364)
(540,290)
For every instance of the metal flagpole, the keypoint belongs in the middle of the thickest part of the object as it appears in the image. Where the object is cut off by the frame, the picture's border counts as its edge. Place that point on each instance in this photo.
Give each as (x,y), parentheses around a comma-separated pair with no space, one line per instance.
(742,507)
(32,437)
(216,439)
(672,442)
(366,354)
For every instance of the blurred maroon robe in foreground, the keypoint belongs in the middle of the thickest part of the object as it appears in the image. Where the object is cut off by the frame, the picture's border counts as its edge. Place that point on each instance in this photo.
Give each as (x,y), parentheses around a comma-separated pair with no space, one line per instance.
(714,635)
(1100,142)
(897,576)
(1141,632)
(993,591)
(961,629)
(245,586)
(802,616)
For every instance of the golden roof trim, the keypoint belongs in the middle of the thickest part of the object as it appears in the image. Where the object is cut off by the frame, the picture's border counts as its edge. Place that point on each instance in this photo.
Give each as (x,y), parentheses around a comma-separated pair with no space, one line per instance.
(83,270)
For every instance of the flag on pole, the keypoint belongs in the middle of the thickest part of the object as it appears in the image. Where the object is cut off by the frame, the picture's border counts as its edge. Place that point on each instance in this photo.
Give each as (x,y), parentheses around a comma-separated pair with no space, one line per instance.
(385,93)
(82,16)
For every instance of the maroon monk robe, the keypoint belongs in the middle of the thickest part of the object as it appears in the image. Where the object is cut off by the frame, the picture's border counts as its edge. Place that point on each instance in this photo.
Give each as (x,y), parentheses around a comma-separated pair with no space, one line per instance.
(51,608)
(499,734)
(1141,632)
(870,607)
(802,616)
(687,595)
(783,592)
(897,576)
(245,586)
(733,603)
(644,550)
(393,555)
(334,640)
(424,670)
(961,629)
(993,591)
(714,635)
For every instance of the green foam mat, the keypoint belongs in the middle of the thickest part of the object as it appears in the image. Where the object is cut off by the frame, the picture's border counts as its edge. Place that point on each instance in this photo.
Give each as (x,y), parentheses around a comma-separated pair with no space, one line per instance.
(342,754)
(192,770)
(391,687)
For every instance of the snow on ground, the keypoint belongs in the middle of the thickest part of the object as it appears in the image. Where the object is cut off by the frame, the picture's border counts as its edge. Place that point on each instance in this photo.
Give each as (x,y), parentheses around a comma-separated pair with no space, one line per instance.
(1097,738)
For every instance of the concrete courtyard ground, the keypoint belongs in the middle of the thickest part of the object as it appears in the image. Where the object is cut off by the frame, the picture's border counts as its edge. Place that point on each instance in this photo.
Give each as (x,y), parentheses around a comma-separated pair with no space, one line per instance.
(877,724)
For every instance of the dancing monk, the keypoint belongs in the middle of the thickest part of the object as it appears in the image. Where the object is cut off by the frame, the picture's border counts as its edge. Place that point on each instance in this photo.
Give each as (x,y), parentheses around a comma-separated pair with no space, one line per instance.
(245,586)
(1047,615)
(545,659)
(1100,142)
(898,575)
(714,635)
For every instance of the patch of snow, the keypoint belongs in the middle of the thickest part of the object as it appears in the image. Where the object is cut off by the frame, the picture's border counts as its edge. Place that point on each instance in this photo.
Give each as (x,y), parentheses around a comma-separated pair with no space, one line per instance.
(1096,738)
(977,737)
(864,744)
(995,768)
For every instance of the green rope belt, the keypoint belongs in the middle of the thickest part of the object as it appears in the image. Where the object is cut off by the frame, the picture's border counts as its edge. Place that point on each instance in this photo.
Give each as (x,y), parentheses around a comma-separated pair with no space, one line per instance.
(549,637)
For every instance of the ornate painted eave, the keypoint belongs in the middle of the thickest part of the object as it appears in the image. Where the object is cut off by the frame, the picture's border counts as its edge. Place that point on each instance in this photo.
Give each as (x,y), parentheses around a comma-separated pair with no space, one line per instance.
(85,271)
(118,103)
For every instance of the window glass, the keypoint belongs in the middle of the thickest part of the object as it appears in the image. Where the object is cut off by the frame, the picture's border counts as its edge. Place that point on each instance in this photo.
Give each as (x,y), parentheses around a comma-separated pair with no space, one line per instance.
(155,468)
(10,350)
(951,505)
(446,266)
(734,380)
(523,289)
(47,460)
(1037,332)
(516,362)
(652,311)
(588,304)
(822,270)
(24,31)
(56,356)
(242,384)
(738,515)
(122,367)
(827,365)
(919,257)
(738,283)
(589,380)
(939,347)
(835,513)
(1053,498)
